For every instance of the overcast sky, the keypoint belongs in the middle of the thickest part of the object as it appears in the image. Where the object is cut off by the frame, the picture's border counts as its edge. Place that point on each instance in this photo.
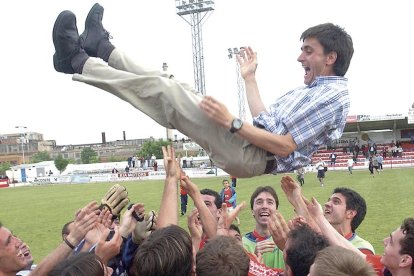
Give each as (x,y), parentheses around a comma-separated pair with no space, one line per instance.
(34,95)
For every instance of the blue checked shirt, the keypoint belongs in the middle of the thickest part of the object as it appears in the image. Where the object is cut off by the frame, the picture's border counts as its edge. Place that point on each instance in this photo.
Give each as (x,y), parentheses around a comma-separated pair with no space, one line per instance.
(313,115)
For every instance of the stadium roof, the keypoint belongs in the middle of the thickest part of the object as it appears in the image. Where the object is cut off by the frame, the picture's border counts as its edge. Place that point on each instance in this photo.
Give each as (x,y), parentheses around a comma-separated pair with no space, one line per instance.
(365,123)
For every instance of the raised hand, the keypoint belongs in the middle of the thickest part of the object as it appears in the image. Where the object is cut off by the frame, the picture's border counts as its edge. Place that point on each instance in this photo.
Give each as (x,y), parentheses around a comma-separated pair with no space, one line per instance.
(171,165)
(132,215)
(278,229)
(291,189)
(247,60)
(216,111)
(107,249)
(194,226)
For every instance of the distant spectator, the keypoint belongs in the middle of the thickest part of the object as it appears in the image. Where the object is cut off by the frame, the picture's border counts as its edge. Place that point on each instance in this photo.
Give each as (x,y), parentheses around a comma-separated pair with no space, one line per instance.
(384,152)
(321,167)
(155,165)
(301,176)
(184,200)
(371,167)
(380,159)
(332,156)
(400,151)
(375,163)
(350,163)
(127,169)
(233,181)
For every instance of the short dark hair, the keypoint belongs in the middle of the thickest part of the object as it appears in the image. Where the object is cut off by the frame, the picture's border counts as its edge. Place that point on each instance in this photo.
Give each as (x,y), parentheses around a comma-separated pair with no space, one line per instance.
(354,201)
(407,243)
(235,228)
(65,228)
(167,251)
(216,195)
(82,264)
(225,180)
(333,38)
(222,256)
(264,189)
(304,244)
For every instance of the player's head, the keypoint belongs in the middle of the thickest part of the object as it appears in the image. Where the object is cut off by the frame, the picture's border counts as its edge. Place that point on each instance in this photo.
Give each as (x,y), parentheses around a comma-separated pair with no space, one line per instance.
(352,205)
(222,256)
(82,264)
(339,261)
(167,251)
(399,248)
(333,39)
(264,189)
(234,232)
(263,202)
(14,254)
(67,227)
(301,248)
(213,201)
(226,183)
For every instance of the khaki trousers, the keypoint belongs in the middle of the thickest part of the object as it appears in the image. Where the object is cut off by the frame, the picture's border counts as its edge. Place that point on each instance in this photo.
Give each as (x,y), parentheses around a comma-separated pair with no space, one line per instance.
(174,105)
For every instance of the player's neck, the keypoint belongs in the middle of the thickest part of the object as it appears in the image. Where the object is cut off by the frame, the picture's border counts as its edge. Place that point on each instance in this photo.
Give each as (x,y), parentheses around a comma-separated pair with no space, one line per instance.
(343,229)
(261,230)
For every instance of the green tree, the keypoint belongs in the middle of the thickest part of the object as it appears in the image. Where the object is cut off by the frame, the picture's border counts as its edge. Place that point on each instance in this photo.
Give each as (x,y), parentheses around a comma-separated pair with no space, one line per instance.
(61,163)
(88,156)
(4,167)
(40,156)
(153,147)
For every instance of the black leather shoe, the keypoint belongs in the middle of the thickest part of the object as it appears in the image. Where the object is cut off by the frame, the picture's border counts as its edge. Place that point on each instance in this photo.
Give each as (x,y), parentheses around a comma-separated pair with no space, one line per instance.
(66,41)
(94,31)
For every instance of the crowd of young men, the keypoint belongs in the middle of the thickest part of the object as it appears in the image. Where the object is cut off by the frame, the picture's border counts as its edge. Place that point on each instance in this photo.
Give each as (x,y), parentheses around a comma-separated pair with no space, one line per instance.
(156,245)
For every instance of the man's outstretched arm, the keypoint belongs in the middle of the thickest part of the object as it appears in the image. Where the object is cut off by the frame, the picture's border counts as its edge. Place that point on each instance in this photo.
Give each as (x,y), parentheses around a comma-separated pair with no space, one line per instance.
(247,60)
(280,145)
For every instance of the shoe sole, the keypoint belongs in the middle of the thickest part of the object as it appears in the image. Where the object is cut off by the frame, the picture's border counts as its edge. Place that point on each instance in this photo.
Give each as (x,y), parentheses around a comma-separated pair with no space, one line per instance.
(57,63)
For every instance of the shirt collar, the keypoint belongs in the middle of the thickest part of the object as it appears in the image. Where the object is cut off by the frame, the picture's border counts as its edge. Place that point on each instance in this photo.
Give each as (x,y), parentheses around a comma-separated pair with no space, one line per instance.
(321,80)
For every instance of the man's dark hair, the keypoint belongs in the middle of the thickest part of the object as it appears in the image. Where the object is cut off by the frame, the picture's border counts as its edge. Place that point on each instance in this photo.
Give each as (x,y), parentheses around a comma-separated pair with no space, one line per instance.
(235,228)
(82,264)
(222,256)
(217,197)
(407,243)
(356,202)
(167,251)
(304,244)
(65,228)
(264,189)
(333,39)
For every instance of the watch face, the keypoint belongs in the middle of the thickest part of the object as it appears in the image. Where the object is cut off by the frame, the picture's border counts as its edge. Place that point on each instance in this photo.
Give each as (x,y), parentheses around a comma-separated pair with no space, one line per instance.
(237,124)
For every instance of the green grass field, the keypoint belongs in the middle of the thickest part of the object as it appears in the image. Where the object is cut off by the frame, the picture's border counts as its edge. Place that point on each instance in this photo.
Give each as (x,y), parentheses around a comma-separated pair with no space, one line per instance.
(37,213)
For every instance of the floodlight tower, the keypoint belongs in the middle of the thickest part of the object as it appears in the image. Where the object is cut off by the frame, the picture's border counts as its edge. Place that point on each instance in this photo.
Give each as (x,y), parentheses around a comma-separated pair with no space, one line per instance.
(194,12)
(169,131)
(240,83)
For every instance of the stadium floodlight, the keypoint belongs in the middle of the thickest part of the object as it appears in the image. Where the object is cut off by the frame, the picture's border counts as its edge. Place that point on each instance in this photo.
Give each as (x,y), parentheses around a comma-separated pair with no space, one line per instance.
(240,83)
(195,12)
(22,138)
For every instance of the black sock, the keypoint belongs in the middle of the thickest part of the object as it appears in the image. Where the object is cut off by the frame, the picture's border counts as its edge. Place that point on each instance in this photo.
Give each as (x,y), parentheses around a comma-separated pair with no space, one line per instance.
(78,61)
(105,49)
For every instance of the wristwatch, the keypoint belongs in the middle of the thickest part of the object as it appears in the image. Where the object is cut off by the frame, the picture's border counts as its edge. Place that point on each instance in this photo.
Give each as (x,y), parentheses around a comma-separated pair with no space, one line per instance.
(236,125)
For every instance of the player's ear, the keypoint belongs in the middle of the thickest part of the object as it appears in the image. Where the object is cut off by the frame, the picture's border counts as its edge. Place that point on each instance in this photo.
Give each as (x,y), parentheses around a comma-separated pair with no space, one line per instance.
(406,261)
(351,213)
(331,58)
